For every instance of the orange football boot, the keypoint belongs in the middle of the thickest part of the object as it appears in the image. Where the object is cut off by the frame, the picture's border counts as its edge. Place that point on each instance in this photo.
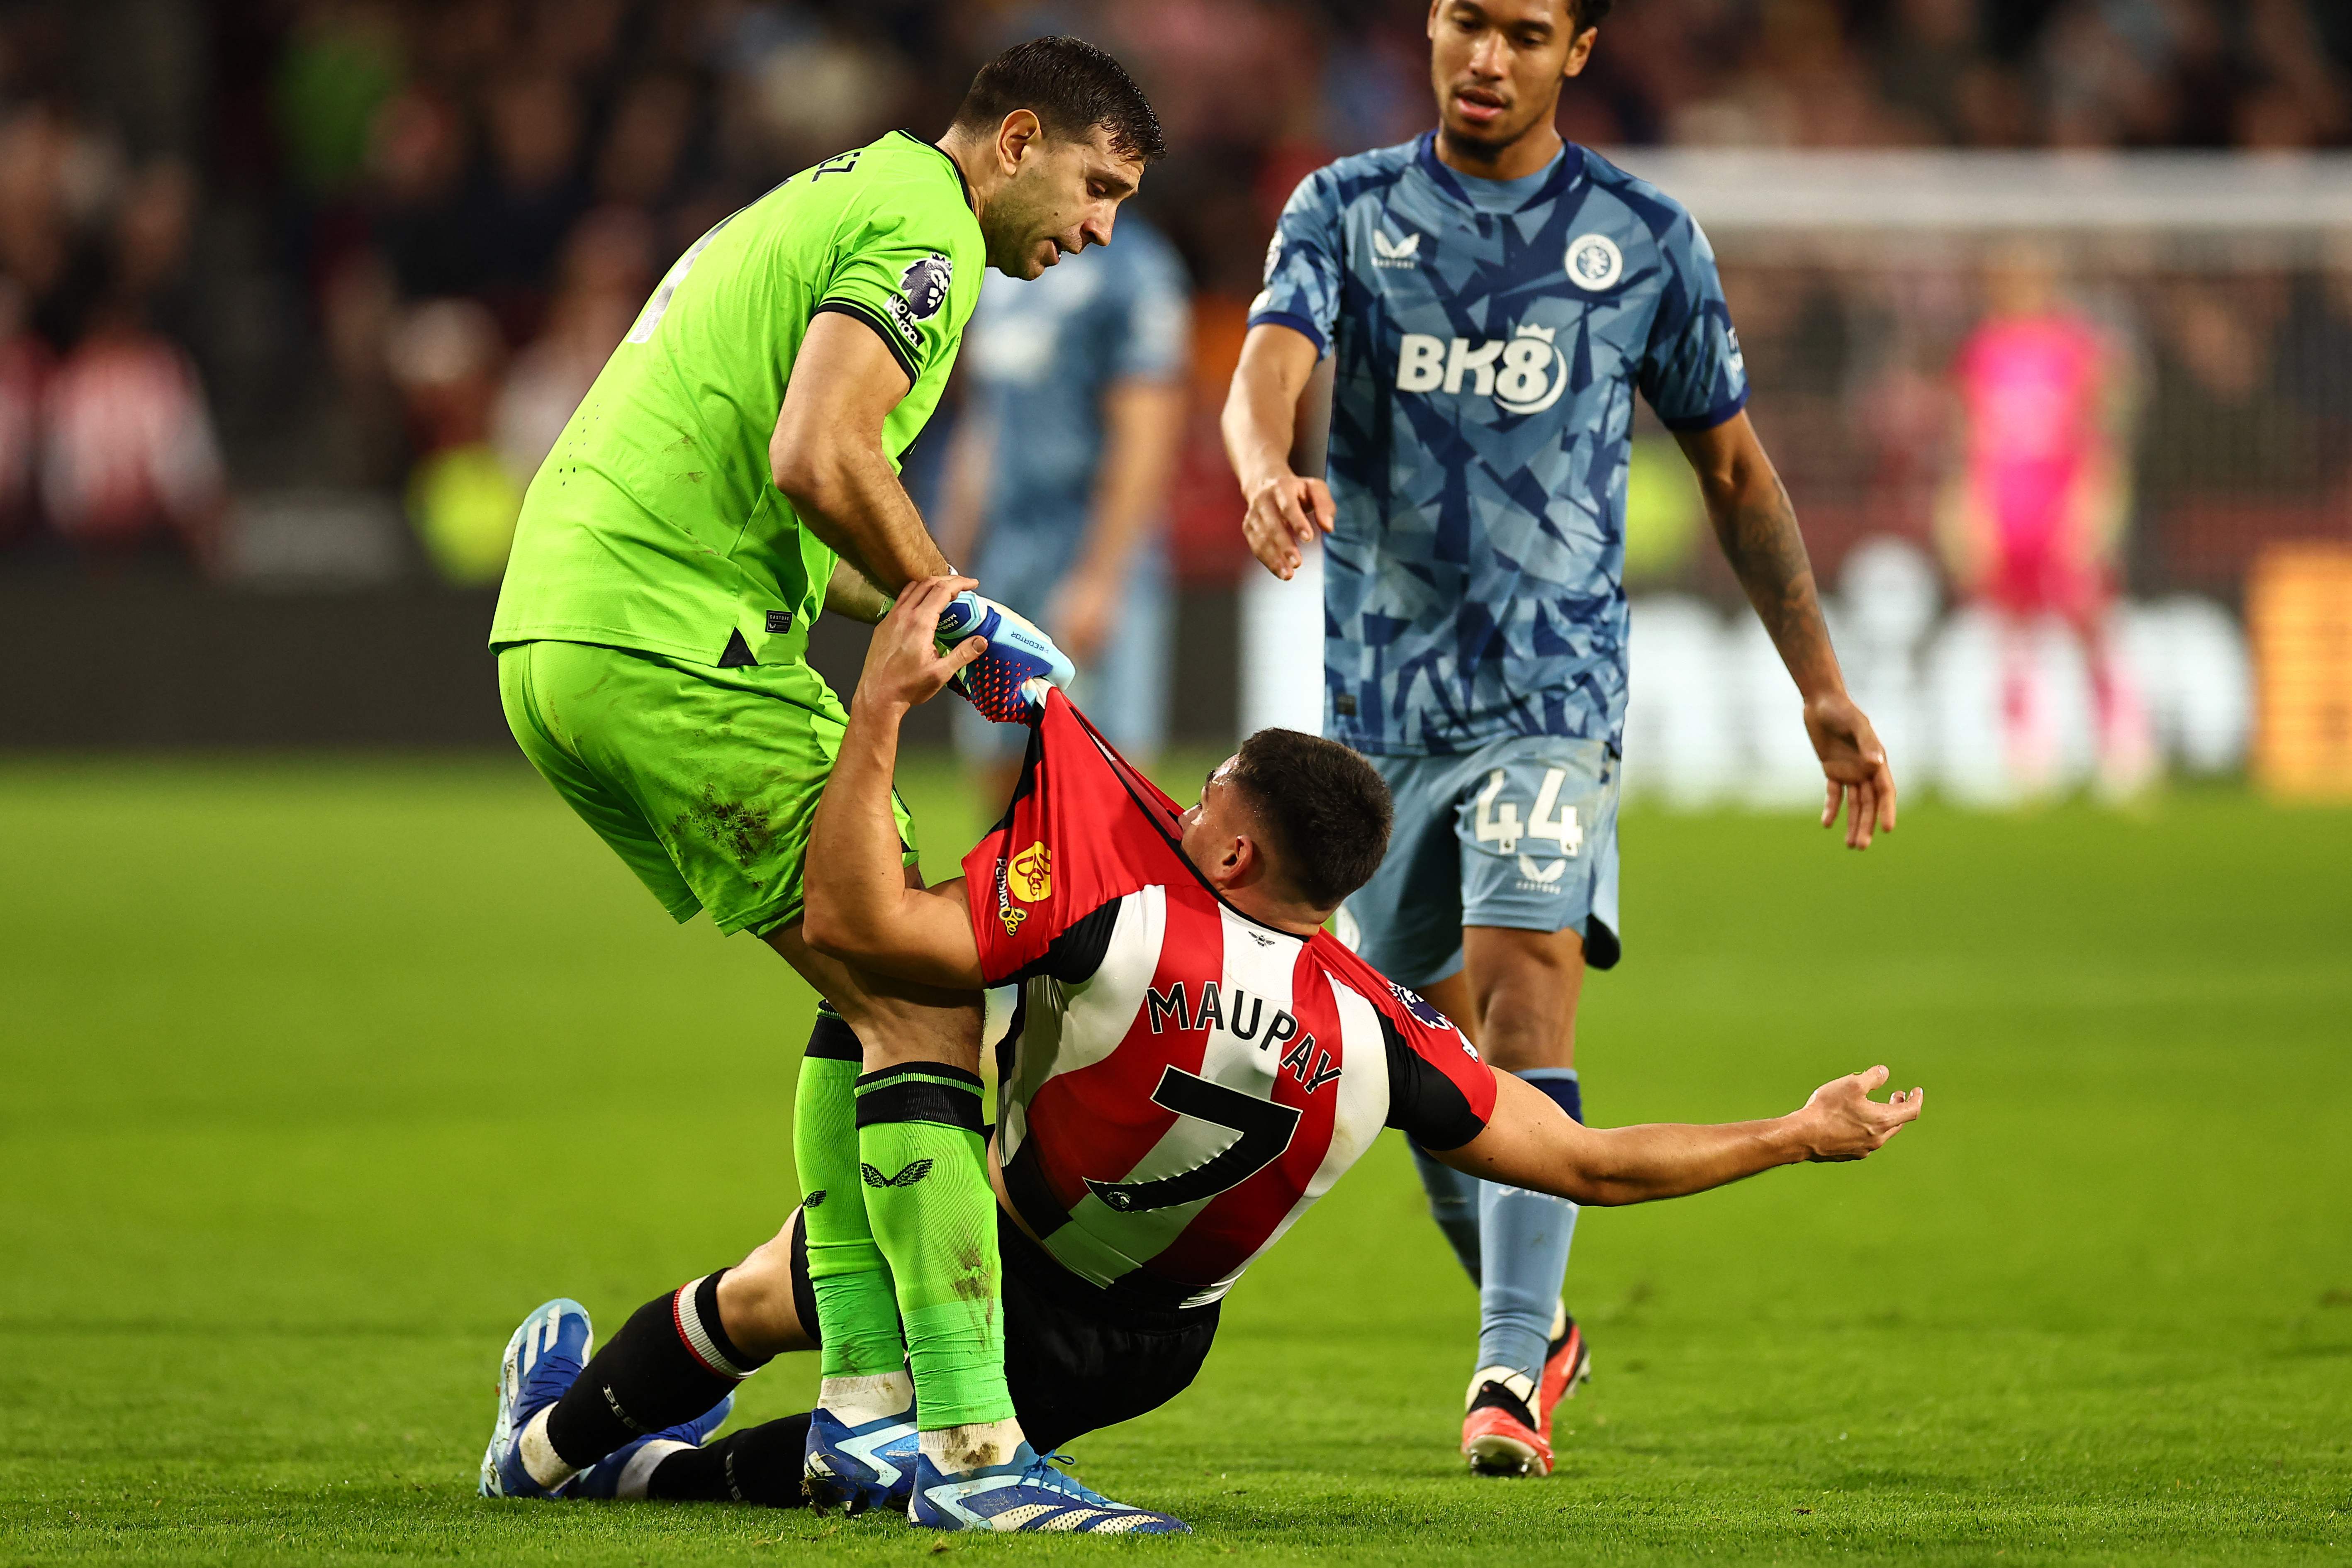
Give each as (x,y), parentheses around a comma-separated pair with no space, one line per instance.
(1506,1431)
(1499,1433)
(1567,1363)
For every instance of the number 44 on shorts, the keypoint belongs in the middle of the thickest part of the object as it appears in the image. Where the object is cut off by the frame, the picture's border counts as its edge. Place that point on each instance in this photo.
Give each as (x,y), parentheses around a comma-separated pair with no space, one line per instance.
(1497,823)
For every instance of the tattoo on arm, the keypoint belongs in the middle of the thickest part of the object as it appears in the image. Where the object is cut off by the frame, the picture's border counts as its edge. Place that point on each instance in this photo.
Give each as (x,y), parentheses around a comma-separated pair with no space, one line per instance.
(1757,527)
(1761,539)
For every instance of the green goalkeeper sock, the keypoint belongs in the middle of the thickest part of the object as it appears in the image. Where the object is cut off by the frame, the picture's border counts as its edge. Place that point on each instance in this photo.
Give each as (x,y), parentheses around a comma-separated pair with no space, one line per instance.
(857,1308)
(934,1216)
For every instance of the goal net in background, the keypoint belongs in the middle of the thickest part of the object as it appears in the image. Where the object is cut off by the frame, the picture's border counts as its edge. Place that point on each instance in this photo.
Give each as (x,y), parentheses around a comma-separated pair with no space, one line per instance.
(2223,288)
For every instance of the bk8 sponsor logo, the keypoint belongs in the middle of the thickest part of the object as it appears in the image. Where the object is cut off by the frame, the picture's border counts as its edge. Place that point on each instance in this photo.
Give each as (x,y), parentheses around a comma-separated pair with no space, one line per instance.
(1524,373)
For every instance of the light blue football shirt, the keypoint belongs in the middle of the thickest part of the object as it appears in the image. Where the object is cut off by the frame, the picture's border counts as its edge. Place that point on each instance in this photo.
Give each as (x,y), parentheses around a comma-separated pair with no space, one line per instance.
(1043,352)
(1489,346)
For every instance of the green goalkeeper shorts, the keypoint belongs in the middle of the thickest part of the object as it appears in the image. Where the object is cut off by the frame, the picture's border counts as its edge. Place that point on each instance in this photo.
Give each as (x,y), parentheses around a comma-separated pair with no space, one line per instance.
(704,780)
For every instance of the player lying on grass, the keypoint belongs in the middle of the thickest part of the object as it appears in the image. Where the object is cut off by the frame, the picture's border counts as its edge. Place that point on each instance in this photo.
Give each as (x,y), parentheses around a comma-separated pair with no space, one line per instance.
(1191,1061)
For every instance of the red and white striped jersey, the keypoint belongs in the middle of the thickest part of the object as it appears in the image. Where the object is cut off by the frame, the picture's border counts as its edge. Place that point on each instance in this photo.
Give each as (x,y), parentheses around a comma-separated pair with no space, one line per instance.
(1180,1082)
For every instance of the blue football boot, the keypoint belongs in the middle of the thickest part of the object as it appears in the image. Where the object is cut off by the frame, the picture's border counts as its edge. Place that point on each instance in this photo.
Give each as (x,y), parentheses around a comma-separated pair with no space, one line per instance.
(1026,1494)
(858,1467)
(604,1478)
(1010,680)
(542,1360)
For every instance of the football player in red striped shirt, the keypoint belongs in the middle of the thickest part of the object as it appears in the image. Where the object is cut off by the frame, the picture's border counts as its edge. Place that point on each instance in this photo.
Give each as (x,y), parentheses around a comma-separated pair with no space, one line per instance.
(1191,1061)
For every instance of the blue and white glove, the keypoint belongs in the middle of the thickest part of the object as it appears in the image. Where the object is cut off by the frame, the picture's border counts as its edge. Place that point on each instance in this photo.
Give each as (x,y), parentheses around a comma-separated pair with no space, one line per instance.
(1010,680)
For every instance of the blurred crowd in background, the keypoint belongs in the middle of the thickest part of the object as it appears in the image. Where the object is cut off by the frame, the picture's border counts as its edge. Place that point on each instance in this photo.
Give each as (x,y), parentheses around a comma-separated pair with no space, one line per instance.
(302,291)
(367,247)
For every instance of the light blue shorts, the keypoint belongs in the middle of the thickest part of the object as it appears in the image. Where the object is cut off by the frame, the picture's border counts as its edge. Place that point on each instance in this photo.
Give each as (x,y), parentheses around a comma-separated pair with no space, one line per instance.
(1520,833)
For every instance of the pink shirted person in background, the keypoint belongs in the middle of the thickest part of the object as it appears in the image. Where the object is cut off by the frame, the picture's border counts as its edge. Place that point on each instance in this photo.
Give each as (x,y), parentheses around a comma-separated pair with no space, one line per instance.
(2032,520)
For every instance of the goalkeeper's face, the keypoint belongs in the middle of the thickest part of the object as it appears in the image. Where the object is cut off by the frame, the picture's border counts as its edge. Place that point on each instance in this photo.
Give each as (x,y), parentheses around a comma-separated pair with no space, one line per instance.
(1498,65)
(1062,195)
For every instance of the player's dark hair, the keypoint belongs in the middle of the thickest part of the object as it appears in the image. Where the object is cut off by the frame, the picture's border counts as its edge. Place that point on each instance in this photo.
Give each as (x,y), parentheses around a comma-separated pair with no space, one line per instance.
(1325,807)
(1583,14)
(1071,87)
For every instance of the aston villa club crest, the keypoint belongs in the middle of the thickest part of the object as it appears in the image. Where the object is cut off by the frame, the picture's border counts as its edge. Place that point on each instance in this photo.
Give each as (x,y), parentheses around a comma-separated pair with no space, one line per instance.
(1594,262)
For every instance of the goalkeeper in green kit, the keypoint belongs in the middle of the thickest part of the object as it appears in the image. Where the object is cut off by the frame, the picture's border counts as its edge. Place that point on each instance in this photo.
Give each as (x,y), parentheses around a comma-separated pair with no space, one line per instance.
(733,473)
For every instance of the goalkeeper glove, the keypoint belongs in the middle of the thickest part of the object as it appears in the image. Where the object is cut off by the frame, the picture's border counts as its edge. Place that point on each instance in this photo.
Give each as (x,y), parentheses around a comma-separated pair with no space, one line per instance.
(1010,680)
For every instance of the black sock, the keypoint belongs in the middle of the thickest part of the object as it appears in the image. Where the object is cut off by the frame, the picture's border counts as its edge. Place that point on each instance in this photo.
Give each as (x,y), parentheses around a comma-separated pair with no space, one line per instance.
(759,1465)
(670,1363)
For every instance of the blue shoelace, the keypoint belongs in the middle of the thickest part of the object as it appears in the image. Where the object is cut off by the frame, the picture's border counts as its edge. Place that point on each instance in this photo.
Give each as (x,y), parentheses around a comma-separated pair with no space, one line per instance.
(1041,1472)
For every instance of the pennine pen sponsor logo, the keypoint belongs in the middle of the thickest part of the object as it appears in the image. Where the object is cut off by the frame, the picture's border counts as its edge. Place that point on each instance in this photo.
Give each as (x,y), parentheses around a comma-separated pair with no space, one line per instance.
(1010,917)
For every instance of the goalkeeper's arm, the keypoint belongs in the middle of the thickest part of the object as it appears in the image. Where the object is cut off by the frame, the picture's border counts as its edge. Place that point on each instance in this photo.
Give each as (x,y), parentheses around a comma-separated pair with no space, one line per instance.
(828,454)
(1531,1142)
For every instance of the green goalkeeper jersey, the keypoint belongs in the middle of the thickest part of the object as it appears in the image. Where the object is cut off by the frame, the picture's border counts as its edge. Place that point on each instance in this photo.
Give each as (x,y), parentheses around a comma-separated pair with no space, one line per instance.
(655,522)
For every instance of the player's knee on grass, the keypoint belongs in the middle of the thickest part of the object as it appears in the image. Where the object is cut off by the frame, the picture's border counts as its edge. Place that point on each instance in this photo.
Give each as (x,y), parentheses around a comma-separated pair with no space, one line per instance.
(756,1305)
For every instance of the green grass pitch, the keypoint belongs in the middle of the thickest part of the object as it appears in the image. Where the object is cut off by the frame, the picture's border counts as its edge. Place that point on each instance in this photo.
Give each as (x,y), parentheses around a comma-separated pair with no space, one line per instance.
(315,1077)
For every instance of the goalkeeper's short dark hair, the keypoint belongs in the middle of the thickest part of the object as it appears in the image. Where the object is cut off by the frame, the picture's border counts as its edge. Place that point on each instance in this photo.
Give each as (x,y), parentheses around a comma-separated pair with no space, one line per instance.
(1588,13)
(1071,87)
(1326,809)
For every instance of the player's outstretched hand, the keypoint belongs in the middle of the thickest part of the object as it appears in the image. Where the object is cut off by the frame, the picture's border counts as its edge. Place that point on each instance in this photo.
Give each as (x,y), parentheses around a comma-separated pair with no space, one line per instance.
(1286,514)
(1842,1121)
(904,663)
(1855,765)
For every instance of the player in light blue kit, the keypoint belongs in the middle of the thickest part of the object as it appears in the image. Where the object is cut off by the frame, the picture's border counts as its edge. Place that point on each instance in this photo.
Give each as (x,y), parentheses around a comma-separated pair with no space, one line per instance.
(1062,470)
(1492,299)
